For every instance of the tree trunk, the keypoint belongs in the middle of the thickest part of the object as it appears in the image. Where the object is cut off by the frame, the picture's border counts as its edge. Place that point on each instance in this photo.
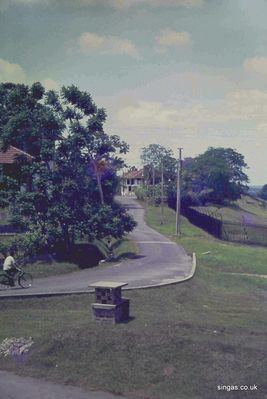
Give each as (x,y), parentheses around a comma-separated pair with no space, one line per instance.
(67,239)
(99,185)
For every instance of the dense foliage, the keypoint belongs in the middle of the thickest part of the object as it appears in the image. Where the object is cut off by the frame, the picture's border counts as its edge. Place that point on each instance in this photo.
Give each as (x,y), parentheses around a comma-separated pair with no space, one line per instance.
(156,157)
(69,184)
(215,176)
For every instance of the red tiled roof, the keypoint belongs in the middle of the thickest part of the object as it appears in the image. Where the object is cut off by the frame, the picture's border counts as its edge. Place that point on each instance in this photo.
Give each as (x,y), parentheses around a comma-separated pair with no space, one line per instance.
(10,155)
(137,174)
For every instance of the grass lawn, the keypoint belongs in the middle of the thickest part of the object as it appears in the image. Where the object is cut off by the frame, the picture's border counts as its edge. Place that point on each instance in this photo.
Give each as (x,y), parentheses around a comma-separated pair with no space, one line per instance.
(4,216)
(183,341)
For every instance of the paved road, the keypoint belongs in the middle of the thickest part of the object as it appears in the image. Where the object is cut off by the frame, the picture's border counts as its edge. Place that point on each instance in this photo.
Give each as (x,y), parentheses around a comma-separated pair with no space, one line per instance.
(160,262)
(15,387)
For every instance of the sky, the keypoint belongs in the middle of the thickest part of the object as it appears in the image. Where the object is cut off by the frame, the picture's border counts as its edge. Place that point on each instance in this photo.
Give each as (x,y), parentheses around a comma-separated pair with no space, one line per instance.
(180,73)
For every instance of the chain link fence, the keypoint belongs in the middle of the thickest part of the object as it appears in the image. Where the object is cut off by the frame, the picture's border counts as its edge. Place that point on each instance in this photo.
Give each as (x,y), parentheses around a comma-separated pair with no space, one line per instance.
(247,233)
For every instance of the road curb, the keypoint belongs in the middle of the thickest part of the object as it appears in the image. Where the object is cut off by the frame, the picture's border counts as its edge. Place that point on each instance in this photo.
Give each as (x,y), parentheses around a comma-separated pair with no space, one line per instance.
(177,281)
(55,294)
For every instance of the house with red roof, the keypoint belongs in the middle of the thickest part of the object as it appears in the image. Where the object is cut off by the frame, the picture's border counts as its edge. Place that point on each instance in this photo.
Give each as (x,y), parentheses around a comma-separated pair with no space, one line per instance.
(12,155)
(132,180)
(11,159)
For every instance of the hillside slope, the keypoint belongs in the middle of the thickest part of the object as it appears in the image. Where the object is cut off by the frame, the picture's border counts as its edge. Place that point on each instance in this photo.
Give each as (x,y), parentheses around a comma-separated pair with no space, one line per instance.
(248,210)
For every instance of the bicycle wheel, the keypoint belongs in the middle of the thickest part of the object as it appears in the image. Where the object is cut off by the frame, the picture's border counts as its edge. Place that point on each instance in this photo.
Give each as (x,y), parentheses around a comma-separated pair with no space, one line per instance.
(4,280)
(25,280)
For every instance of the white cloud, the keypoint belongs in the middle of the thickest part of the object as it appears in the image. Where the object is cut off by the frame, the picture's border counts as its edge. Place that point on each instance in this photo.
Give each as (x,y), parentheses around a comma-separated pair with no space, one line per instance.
(247,107)
(261,132)
(183,3)
(5,4)
(50,84)
(238,119)
(11,72)
(89,42)
(156,115)
(120,5)
(257,65)
(126,4)
(26,1)
(172,38)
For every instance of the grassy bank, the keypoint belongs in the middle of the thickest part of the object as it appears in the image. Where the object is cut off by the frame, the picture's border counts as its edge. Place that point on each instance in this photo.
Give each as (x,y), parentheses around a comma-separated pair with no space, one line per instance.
(213,254)
(246,209)
(183,341)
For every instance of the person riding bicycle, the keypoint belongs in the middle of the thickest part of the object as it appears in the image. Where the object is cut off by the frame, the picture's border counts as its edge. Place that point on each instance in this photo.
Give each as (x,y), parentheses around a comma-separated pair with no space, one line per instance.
(10,267)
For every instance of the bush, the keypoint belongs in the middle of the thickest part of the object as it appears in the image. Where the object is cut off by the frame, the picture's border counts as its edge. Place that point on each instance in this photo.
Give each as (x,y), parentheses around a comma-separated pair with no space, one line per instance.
(149,194)
(24,246)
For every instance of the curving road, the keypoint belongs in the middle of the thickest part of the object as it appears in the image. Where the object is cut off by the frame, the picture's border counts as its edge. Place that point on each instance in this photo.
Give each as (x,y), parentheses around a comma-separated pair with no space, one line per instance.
(160,262)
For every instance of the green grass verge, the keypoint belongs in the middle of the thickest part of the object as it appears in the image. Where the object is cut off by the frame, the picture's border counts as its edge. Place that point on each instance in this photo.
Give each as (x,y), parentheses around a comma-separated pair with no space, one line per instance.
(183,341)
(222,256)
(4,216)
(124,249)
(45,269)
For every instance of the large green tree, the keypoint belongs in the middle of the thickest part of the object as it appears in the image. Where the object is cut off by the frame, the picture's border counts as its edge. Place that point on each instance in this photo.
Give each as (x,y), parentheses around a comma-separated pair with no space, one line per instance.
(73,170)
(156,157)
(216,175)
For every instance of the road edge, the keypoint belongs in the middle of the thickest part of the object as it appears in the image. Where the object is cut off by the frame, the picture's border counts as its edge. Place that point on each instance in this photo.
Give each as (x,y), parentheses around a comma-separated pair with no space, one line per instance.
(55,294)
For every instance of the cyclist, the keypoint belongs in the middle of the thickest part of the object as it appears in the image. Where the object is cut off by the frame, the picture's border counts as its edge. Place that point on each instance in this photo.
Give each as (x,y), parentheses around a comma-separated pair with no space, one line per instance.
(10,267)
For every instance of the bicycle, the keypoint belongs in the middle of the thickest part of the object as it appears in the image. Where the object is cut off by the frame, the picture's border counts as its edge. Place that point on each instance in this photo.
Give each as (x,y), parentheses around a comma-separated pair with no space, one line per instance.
(23,278)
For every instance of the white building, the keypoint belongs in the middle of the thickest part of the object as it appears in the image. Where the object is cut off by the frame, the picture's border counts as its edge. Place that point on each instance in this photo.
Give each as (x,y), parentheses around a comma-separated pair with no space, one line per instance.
(130,181)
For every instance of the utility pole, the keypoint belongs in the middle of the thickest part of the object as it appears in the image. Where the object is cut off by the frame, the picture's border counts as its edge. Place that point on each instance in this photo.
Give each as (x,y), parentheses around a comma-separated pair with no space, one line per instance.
(178,194)
(153,183)
(162,192)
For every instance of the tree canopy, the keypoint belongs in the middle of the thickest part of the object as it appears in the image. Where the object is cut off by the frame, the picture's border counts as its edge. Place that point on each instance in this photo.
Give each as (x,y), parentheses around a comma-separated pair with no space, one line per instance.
(154,157)
(73,171)
(216,175)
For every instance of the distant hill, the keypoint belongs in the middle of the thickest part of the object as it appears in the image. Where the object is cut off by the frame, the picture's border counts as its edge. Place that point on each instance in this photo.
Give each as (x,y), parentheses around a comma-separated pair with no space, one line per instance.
(254,190)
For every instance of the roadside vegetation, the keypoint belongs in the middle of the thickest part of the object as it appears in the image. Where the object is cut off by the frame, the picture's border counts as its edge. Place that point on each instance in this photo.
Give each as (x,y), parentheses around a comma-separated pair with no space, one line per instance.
(83,256)
(182,342)
(217,176)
